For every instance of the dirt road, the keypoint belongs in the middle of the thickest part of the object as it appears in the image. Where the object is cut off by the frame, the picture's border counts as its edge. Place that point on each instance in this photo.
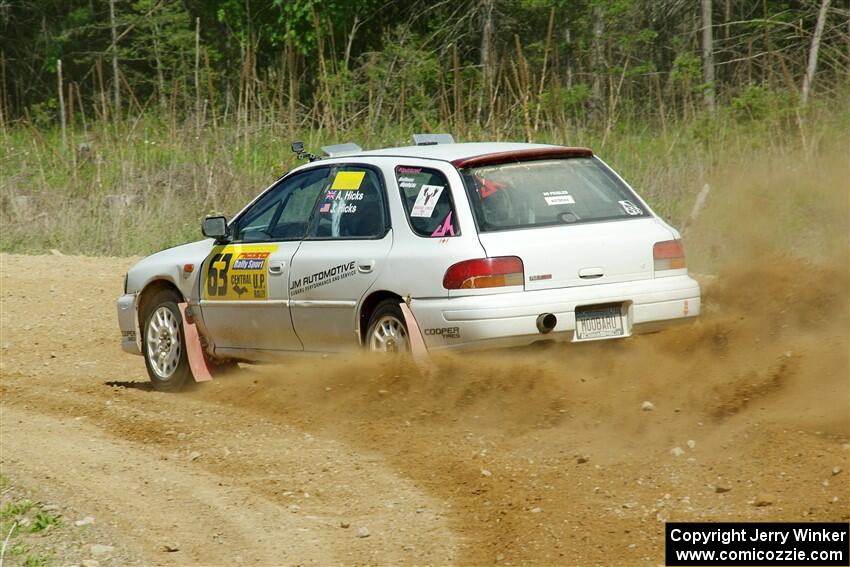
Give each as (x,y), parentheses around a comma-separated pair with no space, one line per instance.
(530,457)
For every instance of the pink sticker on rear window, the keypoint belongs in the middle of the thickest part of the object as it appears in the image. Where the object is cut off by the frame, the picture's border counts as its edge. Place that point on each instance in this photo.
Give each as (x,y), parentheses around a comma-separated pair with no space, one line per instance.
(445,227)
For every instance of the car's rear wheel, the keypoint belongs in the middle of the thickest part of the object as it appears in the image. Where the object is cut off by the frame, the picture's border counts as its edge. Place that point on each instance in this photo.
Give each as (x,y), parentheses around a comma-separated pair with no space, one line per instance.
(164,345)
(387,331)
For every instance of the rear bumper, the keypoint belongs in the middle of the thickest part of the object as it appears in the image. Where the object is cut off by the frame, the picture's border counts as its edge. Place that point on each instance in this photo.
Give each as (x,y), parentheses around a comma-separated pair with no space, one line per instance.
(128,323)
(509,319)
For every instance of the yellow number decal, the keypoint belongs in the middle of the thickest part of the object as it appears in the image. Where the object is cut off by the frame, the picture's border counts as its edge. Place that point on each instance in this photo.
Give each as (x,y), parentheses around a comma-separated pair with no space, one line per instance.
(238,272)
(348,180)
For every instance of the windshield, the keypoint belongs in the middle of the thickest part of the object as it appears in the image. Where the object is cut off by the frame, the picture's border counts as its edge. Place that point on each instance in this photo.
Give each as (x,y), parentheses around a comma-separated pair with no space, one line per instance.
(547,192)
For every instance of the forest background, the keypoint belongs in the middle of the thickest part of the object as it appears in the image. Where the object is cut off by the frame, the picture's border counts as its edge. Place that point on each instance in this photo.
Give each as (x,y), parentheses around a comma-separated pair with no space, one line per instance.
(123,122)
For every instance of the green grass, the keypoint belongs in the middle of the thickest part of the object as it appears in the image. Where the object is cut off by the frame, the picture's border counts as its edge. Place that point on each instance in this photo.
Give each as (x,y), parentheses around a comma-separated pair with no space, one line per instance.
(44,520)
(16,549)
(50,198)
(16,510)
(36,561)
(11,515)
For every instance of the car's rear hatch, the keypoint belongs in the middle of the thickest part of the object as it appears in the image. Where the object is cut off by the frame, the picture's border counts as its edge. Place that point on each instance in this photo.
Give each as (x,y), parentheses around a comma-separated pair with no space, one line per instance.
(569,218)
(581,254)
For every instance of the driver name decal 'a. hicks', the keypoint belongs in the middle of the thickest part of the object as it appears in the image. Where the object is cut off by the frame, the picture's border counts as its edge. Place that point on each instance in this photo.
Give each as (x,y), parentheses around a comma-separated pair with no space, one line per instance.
(237,272)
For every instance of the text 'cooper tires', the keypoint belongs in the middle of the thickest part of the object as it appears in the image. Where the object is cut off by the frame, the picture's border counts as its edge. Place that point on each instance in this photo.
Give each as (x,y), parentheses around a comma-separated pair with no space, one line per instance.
(163,343)
(387,331)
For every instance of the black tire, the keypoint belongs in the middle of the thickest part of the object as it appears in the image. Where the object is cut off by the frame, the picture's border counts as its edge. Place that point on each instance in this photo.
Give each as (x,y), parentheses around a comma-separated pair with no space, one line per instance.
(171,372)
(389,316)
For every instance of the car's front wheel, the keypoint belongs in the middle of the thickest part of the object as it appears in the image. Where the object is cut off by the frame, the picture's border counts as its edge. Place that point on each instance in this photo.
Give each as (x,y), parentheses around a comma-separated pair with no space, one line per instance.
(387,331)
(164,345)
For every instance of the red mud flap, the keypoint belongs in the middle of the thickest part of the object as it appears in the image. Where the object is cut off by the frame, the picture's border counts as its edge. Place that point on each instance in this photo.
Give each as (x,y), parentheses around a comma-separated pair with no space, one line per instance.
(417,343)
(194,350)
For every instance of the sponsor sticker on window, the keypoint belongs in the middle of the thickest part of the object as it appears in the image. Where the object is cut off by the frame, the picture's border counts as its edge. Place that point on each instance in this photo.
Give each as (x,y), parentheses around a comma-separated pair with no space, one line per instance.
(630,208)
(554,198)
(426,201)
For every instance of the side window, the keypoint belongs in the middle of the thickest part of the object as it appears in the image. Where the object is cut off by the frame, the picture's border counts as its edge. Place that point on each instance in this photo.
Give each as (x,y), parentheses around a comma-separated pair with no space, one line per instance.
(350,206)
(283,212)
(428,201)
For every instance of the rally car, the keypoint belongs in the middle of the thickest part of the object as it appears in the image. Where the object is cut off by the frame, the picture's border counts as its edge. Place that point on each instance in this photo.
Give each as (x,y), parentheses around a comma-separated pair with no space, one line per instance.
(435,246)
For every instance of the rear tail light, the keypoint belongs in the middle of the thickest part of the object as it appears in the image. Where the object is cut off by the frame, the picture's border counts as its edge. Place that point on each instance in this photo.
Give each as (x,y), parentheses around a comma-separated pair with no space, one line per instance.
(485,272)
(669,255)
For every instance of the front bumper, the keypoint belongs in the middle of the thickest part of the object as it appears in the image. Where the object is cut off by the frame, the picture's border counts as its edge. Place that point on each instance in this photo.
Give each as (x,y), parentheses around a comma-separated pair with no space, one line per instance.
(510,319)
(128,322)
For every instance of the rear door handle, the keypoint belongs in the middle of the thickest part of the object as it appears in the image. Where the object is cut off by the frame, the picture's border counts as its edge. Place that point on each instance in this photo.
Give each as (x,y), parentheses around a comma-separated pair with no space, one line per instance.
(276,268)
(365,266)
(591,273)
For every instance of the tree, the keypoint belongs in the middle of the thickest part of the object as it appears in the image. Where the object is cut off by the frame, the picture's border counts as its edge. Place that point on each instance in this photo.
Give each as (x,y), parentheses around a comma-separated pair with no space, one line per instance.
(157,46)
(707,55)
(596,57)
(812,66)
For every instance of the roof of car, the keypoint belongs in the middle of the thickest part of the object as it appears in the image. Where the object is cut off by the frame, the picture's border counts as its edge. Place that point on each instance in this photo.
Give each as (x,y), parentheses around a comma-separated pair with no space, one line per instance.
(450,152)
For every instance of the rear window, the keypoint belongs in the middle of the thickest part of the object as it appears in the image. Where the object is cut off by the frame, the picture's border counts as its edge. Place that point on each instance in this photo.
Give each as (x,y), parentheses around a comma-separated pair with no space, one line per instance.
(547,192)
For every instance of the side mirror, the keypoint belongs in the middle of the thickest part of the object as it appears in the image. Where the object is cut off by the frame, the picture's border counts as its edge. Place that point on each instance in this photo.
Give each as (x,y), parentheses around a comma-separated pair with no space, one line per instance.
(215,227)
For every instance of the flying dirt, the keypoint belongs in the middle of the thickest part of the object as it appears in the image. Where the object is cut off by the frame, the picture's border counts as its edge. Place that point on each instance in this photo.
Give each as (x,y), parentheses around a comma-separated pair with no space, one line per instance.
(553,455)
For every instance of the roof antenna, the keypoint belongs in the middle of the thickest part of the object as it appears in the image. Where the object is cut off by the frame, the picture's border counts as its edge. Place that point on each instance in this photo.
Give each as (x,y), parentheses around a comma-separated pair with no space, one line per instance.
(298,149)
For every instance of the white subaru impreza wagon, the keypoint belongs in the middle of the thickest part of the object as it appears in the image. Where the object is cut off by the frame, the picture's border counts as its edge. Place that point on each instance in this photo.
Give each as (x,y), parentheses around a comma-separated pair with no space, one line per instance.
(435,246)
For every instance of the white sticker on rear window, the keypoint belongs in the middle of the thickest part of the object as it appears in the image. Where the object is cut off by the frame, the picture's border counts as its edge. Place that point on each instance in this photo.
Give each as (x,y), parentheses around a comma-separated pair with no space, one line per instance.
(406,182)
(630,208)
(558,198)
(426,200)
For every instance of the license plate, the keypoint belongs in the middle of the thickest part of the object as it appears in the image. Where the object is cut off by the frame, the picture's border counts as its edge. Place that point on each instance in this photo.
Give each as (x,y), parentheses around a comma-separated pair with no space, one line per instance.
(604,322)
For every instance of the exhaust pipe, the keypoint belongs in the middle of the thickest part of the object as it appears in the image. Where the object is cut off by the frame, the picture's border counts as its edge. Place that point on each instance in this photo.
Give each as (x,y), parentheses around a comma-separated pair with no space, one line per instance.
(546,322)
